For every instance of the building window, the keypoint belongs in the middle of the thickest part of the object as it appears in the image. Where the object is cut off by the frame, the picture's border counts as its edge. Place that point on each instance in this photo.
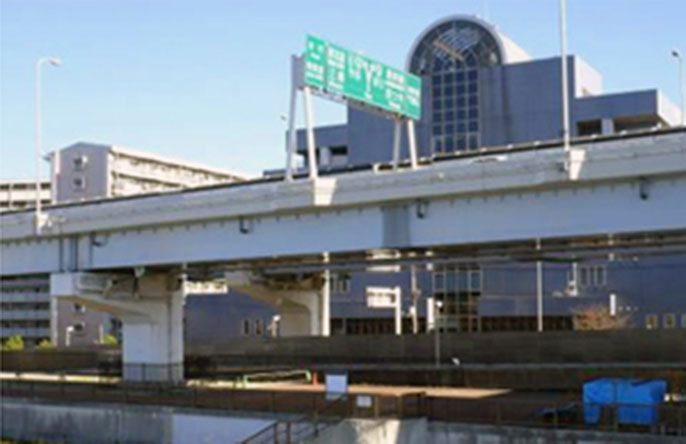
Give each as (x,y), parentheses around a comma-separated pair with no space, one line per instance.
(593,276)
(78,308)
(600,276)
(79,327)
(339,283)
(683,320)
(458,289)
(589,128)
(80,163)
(246,327)
(583,277)
(258,327)
(79,183)
(449,59)
(669,320)
(652,322)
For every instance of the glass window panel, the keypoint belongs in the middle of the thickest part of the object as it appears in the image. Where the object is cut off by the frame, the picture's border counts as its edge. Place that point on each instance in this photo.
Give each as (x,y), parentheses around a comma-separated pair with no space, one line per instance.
(436,79)
(463,281)
(460,89)
(437,104)
(449,128)
(472,87)
(438,145)
(449,144)
(460,76)
(583,277)
(474,112)
(461,101)
(473,126)
(436,131)
(439,281)
(449,77)
(461,145)
(471,74)
(436,91)
(449,103)
(473,142)
(470,59)
(450,116)
(450,281)
(475,280)
(436,117)
(448,90)
(461,127)
(473,101)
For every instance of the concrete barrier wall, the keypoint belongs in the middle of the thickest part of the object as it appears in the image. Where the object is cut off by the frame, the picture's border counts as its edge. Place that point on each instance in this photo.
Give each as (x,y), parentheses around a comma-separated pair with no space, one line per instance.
(501,347)
(626,346)
(27,421)
(451,433)
(53,360)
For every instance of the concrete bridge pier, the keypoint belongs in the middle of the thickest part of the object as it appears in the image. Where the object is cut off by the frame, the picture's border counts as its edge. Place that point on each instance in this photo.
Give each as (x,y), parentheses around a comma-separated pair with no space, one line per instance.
(151,310)
(303,304)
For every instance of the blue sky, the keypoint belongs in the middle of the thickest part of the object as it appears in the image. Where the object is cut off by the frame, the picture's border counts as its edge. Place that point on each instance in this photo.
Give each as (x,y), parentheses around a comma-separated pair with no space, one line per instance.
(207,80)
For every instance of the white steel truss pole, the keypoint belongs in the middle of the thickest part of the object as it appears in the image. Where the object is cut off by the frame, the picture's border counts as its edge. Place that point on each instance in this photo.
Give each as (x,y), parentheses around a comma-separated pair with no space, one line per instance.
(309,124)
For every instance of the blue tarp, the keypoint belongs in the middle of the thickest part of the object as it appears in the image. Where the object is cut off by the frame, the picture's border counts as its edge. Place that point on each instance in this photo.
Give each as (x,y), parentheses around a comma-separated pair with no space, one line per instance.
(636,400)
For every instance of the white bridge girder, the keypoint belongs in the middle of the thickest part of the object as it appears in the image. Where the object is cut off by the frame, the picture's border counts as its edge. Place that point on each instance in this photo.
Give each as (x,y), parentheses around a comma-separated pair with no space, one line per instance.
(623,186)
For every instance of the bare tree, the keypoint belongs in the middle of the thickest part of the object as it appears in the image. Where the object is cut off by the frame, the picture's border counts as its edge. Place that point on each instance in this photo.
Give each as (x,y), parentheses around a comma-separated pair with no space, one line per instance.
(598,317)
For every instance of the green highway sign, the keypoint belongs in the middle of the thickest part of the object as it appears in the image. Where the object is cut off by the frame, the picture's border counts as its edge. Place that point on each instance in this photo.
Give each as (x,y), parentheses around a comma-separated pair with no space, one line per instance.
(337,70)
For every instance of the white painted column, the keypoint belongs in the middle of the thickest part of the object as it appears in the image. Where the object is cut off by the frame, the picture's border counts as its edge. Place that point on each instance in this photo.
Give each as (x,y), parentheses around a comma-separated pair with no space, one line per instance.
(396,143)
(309,131)
(152,348)
(399,314)
(607,126)
(325,306)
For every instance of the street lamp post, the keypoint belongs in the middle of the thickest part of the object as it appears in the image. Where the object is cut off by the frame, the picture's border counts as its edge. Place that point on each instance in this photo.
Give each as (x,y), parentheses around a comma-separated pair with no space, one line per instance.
(38,135)
(682,84)
(437,332)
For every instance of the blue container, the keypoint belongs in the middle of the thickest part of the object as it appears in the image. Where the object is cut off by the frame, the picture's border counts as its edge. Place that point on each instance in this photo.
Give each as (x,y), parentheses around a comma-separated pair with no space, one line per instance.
(636,400)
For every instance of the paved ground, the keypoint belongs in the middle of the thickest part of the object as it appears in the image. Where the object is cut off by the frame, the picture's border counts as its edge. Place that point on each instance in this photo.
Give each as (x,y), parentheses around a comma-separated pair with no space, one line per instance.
(450,392)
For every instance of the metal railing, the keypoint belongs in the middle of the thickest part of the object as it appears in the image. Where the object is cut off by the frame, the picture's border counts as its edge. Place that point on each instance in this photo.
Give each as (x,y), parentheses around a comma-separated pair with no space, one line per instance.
(300,429)
(661,419)
(269,401)
(530,409)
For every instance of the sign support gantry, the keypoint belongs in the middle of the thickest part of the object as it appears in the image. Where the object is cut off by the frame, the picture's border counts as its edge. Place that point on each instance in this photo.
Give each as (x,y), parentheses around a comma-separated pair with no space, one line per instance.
(344,76)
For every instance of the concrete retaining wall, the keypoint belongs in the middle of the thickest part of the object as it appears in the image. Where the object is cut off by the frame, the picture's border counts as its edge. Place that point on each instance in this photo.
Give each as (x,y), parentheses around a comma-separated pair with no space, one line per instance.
(421,431)
(450,433)
(24,420)
(96,423)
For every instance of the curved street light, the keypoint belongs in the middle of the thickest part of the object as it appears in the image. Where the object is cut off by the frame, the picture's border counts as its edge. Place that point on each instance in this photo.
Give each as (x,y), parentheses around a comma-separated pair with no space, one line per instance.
(677,55)
(38,134)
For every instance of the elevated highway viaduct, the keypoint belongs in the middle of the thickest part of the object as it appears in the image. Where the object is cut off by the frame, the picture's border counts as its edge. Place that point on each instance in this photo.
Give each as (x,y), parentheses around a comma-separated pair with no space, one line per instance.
(275,239)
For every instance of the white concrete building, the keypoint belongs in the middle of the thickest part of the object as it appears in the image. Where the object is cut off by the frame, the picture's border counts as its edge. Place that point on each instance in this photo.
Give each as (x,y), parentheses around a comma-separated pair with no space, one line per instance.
(20,194)
(86,171)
